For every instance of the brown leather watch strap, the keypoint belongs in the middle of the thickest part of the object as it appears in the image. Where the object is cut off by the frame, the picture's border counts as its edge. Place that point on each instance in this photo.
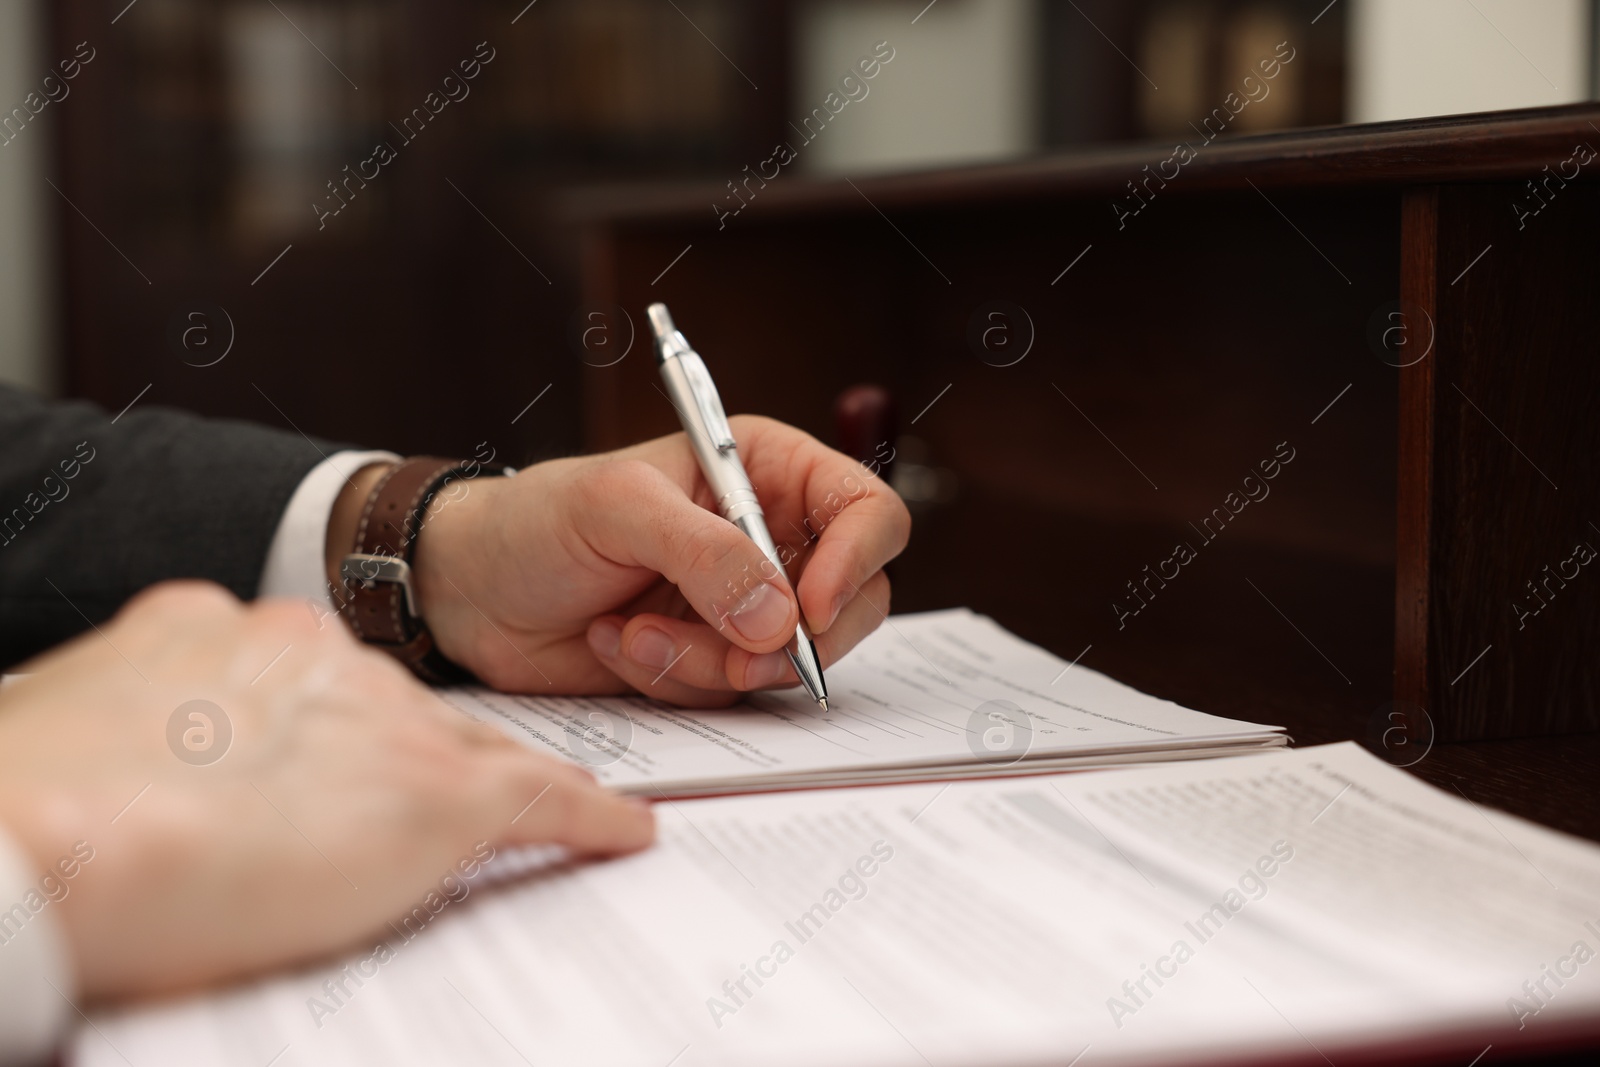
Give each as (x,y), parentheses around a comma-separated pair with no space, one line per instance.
(379,604)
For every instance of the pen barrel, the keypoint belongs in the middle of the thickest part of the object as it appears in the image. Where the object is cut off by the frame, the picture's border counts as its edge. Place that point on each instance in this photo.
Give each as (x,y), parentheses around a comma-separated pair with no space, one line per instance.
(723,471)
(739,503)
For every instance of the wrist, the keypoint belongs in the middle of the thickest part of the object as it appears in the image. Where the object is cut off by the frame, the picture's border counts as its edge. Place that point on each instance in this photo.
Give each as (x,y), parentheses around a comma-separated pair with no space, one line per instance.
(401,548)
(451,545)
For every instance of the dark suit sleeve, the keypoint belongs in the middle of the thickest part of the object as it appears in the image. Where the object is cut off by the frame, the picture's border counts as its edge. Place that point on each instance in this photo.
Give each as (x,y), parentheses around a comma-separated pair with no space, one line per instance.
(93,510)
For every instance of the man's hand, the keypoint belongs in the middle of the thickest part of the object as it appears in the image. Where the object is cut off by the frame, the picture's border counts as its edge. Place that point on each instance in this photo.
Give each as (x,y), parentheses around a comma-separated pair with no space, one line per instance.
(321,792)
(611,573)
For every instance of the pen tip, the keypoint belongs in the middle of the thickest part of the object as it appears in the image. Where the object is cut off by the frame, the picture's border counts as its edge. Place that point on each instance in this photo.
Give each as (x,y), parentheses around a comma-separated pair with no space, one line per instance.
(823,702)
(660,320)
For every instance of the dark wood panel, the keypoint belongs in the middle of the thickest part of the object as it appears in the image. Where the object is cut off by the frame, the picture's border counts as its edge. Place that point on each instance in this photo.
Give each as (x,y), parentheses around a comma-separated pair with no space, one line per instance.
(1419,236)
(1505,145)
(1503,451)
(1155,382)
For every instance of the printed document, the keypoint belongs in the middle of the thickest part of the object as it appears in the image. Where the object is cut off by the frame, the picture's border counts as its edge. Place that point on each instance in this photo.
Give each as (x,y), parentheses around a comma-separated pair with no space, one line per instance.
(938,695)
(1286,905)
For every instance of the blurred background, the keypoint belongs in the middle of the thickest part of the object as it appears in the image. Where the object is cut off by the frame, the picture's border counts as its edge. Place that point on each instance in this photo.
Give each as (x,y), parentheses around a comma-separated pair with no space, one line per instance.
(168,226)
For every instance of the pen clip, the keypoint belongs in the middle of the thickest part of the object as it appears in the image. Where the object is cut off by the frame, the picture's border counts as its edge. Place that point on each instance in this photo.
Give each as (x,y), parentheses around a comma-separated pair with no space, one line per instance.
(712,418)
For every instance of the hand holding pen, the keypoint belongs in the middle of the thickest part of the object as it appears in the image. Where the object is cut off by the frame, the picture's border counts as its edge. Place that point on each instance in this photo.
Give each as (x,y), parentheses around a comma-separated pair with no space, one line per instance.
(617,572)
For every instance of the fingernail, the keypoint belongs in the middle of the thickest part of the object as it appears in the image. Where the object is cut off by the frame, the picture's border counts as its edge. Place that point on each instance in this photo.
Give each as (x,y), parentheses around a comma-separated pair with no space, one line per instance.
(605,639)
(767,669)
(651,648)
(638,804)
(764,616)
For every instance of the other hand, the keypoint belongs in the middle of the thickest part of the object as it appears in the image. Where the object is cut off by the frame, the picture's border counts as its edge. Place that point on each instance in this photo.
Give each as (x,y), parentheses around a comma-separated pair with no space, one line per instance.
(342,790)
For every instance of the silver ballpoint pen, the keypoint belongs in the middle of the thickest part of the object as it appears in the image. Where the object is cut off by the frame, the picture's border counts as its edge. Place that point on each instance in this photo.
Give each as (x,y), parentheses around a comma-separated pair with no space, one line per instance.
(692,392)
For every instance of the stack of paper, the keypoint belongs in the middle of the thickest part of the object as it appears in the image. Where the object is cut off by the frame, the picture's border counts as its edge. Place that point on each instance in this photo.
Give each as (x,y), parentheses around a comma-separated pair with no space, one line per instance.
(1286,907)
(941,695)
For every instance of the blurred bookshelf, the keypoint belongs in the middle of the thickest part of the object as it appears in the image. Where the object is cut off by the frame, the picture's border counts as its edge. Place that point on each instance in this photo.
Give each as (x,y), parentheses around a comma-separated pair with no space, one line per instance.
(218,154)
(193,152)
(1099,55)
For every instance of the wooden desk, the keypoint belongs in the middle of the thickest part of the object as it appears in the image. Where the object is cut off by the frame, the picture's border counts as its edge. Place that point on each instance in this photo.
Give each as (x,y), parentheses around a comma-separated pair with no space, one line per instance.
(1256,303)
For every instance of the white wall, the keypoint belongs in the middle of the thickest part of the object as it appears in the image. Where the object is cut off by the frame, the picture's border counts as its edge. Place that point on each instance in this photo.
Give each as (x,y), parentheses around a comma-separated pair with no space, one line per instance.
(1410,58)
(962,85)
(27,262)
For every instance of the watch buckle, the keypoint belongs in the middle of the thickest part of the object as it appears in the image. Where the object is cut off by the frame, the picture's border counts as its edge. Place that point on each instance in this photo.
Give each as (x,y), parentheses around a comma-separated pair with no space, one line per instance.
(367,570)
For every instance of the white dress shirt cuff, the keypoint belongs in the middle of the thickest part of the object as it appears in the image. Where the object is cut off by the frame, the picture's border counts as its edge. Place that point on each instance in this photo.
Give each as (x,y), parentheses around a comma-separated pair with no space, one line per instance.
(36,984)
(297,561)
